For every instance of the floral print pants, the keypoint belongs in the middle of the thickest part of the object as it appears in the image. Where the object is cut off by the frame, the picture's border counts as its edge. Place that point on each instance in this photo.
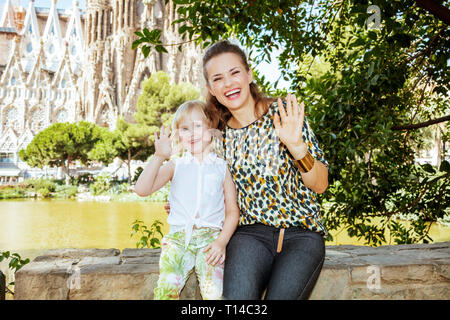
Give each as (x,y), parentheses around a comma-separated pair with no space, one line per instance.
(176,264)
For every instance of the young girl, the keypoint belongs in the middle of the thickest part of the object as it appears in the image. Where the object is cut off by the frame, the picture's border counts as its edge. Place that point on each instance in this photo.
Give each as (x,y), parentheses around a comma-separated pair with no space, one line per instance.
(203,213)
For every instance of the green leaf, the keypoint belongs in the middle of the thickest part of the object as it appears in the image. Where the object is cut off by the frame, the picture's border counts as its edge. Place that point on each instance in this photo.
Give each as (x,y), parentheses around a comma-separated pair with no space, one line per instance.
(155,34)
(145,51)
(136,43)
(182,29)
(445,166)
(148,34)
(372,35)
(160,49)
(428,168)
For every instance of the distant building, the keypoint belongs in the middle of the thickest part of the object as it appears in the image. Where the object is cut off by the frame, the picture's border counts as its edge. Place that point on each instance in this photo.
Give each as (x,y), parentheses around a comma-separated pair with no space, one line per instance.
(68,65)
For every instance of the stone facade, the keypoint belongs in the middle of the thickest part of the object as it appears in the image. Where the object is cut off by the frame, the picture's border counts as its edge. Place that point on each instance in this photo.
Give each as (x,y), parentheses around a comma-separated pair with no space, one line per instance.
(69,65)
(350,272)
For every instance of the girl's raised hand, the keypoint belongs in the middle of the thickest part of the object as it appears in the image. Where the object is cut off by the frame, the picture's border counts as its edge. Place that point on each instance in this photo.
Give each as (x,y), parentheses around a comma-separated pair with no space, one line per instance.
(163,144)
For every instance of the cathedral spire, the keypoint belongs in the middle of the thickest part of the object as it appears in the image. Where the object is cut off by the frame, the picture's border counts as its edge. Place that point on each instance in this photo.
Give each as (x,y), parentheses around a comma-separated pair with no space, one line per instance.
(14,67)
(52,27)
(74,38)
(54,46)
(35,75)
(7,19)
(74,28)
(31,26)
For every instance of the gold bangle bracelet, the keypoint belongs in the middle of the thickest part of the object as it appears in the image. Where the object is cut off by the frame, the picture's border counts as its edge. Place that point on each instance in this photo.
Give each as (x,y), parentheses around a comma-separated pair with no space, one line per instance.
(305,164)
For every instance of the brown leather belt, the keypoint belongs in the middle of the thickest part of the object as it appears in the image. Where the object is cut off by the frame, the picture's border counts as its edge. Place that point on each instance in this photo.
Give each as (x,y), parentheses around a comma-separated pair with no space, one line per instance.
(280,240)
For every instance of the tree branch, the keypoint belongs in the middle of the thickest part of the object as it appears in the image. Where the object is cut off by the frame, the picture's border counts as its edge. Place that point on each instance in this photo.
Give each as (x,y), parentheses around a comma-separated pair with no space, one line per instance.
(421,125)
(436,9)
(389,214)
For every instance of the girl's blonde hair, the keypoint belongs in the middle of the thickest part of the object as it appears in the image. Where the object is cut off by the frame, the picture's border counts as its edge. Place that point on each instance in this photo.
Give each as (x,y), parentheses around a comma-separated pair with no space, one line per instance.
(210,117)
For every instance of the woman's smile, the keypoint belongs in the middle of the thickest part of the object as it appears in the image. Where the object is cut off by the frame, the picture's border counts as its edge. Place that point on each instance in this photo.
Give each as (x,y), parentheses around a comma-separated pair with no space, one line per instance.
(233,94)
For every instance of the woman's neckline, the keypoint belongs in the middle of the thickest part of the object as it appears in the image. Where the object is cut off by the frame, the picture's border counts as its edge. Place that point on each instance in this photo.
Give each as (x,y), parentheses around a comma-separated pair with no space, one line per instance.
(253,122)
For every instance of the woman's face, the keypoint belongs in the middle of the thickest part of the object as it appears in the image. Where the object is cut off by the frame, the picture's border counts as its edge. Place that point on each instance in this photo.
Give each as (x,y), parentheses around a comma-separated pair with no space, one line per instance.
(229,81)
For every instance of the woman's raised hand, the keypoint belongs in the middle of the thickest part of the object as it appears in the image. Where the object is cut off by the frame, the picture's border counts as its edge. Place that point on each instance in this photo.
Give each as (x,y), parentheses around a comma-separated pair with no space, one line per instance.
(289,127)
(163,144)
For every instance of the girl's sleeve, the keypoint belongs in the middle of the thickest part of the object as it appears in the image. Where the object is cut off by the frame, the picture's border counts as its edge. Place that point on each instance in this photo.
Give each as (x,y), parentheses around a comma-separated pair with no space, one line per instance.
(313,145)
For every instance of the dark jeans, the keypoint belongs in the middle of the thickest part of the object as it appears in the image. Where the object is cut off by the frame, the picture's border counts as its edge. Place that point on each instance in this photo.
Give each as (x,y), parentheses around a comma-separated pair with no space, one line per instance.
(252,263)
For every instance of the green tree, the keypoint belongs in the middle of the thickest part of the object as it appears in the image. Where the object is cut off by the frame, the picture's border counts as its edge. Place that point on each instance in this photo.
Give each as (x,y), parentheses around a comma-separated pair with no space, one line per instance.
(128,142)
(60,145)
(135,143)
(367,90)
(105,149)
(160,98)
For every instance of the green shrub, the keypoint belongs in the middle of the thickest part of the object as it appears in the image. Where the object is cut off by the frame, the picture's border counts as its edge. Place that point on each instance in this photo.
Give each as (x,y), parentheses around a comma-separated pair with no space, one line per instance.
(85,178)
(44,192)
(66,192)
(38,184)
(15,264)
(11,193)
(150,238)
(102,183)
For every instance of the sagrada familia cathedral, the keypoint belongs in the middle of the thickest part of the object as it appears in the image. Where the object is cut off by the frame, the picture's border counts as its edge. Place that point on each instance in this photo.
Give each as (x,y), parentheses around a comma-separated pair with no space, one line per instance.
(71,65)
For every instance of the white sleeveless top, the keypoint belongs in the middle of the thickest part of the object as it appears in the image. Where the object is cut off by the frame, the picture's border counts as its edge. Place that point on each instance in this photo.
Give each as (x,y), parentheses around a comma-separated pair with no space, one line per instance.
(196,194)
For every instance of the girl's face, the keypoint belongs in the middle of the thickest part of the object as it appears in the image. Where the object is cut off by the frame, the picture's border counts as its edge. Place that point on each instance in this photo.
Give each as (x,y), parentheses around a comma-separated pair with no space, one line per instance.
(194,133)
(229,81)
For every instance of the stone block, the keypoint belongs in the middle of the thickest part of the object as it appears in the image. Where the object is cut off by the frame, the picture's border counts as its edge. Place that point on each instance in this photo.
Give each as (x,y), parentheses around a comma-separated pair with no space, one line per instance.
(332,284)
(42,281)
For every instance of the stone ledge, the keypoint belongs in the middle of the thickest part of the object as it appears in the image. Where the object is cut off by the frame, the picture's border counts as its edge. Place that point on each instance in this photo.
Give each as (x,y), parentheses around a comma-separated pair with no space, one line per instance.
(350,272)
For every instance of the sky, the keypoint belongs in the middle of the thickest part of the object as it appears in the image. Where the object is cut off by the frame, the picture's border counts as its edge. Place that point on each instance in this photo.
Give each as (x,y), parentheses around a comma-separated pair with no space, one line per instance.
(61,4)
(270,71)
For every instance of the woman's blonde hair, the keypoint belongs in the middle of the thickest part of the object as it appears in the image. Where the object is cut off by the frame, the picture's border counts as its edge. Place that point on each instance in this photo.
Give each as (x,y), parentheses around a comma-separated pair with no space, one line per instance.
(209,117)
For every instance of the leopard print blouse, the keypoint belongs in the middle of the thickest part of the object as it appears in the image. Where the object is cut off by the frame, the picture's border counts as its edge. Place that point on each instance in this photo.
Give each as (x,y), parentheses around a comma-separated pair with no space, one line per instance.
(269,187)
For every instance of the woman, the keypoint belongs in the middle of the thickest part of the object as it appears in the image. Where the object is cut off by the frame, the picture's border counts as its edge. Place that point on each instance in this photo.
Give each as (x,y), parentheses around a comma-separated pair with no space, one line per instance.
(277,167)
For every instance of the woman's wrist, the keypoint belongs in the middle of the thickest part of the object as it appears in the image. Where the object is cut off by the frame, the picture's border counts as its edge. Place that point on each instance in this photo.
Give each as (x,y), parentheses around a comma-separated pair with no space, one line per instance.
(305,164)
(298,150)
(303,160)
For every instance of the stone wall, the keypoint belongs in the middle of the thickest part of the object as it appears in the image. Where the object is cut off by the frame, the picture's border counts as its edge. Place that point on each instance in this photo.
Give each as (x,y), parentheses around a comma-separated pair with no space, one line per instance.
(350,272)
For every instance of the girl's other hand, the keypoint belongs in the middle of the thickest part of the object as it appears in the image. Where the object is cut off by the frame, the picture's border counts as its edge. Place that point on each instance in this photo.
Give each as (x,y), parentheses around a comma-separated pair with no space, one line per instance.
(216,253)
(167,207)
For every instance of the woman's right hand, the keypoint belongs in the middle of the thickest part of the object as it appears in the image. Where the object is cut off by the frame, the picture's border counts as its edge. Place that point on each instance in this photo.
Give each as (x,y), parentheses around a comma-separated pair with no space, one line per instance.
(163,144)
